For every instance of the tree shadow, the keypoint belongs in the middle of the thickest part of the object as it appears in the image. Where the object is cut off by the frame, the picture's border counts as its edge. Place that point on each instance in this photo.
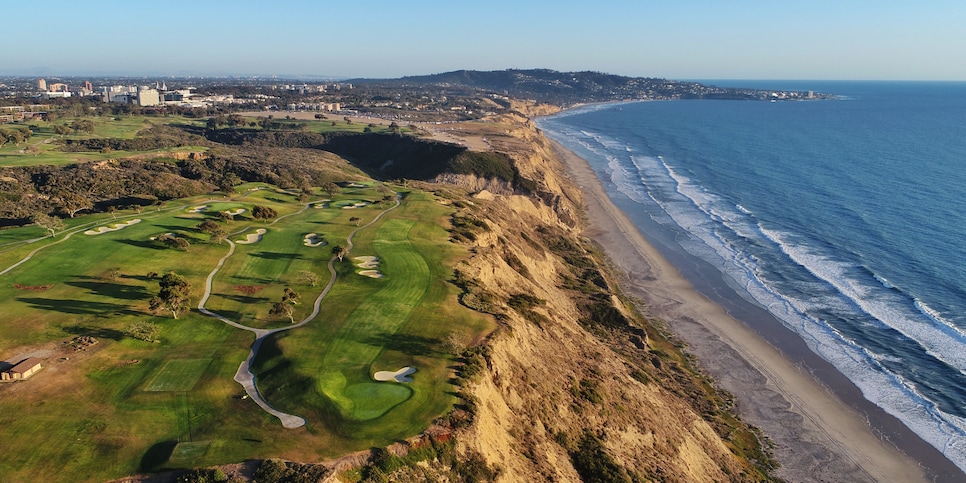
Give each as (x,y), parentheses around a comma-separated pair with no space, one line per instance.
(77,307)
(95,332)
(157,455)
(176,229)
(141,278)
(114,290)
(229,314)
(143,244)
(276,255)
(244,299)
(413,345)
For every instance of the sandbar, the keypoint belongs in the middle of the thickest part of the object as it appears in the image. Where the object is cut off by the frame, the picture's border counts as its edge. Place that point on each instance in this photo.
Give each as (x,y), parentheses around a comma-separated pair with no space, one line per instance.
(114,227)
(402,375)
(822,427)
(252,237)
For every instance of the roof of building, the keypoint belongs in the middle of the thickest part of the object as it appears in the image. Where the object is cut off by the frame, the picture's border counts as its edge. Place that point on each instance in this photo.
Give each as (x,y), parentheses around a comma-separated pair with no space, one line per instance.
(26,365)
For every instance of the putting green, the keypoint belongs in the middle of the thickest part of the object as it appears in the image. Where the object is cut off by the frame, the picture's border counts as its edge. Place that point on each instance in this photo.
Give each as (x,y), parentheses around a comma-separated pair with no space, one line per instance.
(372,399)
(178,375)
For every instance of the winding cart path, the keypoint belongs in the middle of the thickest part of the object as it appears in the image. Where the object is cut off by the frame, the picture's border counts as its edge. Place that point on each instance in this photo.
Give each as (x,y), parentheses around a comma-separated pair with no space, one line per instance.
(244,375)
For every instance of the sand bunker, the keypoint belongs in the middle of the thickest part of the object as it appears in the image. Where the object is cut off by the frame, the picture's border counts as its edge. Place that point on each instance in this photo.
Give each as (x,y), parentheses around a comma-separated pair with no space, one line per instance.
(369,263)
(198,209)
(114,227)
(313,240)
(402,375)
(235,212)
(358,204)
(252,237)
(319,204)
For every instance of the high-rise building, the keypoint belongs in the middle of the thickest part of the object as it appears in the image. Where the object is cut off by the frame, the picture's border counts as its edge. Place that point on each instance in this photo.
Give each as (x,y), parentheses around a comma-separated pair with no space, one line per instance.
(88,86)
(42,84)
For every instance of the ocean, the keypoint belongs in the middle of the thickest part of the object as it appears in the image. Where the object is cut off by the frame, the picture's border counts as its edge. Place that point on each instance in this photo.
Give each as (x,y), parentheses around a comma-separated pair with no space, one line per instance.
(845,219)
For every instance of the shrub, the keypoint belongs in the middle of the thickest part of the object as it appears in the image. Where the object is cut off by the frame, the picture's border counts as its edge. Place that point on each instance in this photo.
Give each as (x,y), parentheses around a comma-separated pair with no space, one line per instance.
(594,465)
(145,331)
(272,470)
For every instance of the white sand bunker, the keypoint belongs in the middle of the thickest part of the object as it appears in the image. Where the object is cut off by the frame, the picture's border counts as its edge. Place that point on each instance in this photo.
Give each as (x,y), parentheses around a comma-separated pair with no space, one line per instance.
(198,209)
(319,204)
(402,375)
(369,263)
(235,212)
(252,237)
(358,204)
(114,227)
(313,240)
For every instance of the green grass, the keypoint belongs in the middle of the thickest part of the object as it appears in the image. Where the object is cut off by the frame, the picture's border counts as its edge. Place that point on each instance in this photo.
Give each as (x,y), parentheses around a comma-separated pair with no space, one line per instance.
(375,321)
(178,375)
(121,127)
(125,407)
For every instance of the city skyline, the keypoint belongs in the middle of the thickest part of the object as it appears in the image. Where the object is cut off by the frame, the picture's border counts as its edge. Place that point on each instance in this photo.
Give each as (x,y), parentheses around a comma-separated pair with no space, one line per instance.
(747,39)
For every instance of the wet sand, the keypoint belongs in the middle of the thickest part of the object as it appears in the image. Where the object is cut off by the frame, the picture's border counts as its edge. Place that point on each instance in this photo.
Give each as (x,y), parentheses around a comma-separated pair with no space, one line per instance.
(822,427)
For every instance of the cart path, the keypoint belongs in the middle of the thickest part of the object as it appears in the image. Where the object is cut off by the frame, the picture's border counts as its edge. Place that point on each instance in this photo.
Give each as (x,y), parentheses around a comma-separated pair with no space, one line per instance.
(244,374)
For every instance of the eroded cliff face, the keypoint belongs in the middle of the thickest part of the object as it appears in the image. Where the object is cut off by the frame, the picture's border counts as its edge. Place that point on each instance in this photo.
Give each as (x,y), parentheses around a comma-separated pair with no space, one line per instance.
(572,378)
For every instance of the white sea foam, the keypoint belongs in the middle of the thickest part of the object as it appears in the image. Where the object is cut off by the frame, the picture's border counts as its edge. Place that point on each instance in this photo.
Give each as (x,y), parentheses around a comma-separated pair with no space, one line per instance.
(941,340)
(885,282)
(936,317)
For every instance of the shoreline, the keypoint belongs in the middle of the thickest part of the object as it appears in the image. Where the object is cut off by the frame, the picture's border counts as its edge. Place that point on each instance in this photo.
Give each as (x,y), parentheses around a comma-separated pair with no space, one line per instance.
(821,425)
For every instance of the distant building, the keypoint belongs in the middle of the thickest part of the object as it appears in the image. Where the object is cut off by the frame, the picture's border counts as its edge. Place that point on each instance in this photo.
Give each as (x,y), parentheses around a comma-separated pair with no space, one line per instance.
(148,97)
(119,94)
(23,370)
(55,94)
(57,87)
(88,86)
(42,84)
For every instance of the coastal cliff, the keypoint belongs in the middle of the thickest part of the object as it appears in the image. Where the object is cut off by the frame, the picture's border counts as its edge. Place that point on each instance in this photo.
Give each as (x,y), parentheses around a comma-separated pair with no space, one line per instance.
(575,384)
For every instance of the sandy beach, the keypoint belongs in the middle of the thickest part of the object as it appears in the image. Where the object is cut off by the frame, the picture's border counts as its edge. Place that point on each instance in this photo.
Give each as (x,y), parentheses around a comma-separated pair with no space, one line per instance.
(822,427)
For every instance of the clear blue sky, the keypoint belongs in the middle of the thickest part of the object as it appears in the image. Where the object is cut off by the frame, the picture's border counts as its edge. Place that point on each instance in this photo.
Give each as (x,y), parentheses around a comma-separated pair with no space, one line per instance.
(679,39)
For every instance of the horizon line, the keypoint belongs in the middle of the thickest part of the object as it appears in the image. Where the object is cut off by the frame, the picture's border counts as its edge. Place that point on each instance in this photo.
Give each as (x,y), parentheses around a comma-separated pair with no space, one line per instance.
(344,77)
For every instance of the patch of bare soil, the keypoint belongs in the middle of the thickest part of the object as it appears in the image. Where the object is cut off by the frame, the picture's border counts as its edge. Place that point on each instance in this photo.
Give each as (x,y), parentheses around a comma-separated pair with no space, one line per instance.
(32,288)
(248,289)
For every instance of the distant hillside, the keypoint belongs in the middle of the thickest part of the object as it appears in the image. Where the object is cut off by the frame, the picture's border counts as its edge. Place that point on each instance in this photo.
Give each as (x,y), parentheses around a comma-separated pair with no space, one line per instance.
(567,88)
